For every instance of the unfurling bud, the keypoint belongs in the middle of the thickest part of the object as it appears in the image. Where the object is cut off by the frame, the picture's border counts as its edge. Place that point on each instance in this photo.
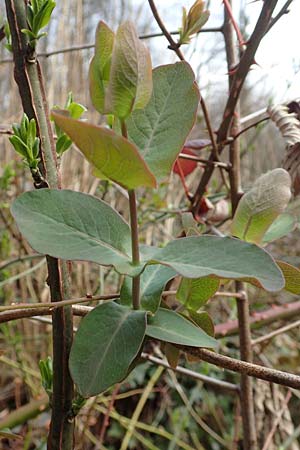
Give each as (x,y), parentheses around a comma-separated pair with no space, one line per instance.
(193,21)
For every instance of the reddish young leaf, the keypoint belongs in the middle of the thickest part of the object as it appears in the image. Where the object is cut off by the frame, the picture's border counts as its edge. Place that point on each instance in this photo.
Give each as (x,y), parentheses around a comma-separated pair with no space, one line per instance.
(187,166)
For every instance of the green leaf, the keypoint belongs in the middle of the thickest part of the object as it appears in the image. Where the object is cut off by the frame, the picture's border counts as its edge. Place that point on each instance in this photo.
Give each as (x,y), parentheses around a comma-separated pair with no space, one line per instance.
(283,225)
(224,257)
(203,320)
(74,226)
(153,281)
(105,345)
(292,277)
(130,84)
(194,293)
(160,130)
(171,327)
(260,206)
(100,66)
(113,156)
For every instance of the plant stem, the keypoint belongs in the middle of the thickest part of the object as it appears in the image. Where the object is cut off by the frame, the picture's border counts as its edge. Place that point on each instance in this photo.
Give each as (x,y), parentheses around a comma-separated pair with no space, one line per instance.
(247,404)
(30,82)
(135,249)
(134,235)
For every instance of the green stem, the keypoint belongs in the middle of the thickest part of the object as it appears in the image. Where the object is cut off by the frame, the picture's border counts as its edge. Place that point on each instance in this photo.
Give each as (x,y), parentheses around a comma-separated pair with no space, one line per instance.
(134,236)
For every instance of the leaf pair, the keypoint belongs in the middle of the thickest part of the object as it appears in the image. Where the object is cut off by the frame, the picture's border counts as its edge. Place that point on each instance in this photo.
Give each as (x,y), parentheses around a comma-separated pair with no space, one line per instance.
(120,72)
(156,133)
(110,339)
(75,226)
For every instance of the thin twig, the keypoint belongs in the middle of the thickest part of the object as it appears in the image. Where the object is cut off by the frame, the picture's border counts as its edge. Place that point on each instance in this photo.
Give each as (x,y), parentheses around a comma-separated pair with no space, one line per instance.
(247,404)
(269,336)
(277,421)
(76,48)
(175,47)
(261,319)
(284,10)
(239,76)
(52,305)
(250,369)
(219,384)
(225,362)
(225,166)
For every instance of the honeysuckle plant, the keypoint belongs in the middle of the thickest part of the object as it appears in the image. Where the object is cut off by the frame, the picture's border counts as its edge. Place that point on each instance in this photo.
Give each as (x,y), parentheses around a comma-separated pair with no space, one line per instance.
(151,113)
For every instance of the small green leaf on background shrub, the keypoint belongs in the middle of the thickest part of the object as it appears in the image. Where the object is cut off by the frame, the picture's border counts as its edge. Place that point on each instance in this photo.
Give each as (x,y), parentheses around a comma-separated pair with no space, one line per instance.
(203,320)
(161,128)
(194,293)
(113,156)
(153,281)
(171,327)
(105,345)
(292,277)
(261,205)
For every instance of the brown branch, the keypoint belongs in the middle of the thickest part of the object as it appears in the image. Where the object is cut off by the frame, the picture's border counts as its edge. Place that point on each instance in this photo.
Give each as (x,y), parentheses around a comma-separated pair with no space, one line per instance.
(269,336)
(239,76)
(29,79)
(260,319)
(276,422)
(284,10)
(225,362)
(219,384)
(76,48)
(252,370)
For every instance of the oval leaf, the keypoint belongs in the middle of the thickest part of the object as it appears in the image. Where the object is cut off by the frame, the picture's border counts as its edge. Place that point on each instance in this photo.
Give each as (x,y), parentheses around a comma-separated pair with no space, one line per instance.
(100,66)
(194,293)
(171,327)
(74,226)
(130,85)
(203,320)
(224,257)
(105,345)
(113,156)
(283,225)
(260,206)
(292,277)
(153,281)
(160,130)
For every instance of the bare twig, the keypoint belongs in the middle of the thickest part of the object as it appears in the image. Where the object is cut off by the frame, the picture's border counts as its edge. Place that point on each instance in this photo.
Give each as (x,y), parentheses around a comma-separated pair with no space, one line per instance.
(247,404)
(76,48)
(219,384)
(252,370)
(239,76)
(284,10)
(225,362)
(175,47)
(277,421)
(260,319)
(269,336)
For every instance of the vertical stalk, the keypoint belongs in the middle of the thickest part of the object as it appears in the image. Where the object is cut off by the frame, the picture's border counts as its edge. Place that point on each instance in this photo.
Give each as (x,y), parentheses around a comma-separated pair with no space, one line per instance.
(247,406)
(29,79)
(134,236)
